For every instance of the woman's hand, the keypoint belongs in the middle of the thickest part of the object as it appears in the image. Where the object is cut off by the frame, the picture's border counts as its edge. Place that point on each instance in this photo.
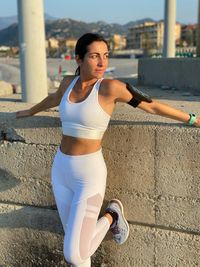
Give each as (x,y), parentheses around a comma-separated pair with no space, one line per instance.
(197,123)
(23,114)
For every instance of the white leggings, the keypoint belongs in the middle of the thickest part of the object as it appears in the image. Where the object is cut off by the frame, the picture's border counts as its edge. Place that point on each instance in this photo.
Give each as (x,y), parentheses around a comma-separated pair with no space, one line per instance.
(79,185)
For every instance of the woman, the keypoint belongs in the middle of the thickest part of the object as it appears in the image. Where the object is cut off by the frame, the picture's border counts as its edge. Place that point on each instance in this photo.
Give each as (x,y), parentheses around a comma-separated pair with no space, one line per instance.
(86,103)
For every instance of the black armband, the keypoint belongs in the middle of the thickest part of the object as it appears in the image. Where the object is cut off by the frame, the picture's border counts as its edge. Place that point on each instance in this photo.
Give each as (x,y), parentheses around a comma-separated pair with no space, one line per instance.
(138,96)
(134,102)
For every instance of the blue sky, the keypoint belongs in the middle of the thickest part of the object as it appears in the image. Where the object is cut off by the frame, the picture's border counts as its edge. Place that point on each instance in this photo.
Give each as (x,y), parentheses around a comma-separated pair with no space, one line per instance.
(119,11)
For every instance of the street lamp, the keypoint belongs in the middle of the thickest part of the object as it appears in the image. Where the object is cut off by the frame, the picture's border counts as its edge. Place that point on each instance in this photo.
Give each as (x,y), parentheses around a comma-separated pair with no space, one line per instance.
(169,29)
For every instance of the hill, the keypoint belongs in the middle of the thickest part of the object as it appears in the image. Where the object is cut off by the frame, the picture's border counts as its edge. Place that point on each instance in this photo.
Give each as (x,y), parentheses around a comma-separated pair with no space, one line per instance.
(69,28)
(7,21)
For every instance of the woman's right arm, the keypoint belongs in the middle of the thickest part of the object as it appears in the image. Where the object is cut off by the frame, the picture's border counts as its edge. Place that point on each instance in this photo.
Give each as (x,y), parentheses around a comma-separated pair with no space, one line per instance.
(50,101)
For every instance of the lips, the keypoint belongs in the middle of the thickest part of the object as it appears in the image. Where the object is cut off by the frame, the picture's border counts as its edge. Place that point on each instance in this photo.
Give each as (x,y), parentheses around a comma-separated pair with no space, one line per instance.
(100,70)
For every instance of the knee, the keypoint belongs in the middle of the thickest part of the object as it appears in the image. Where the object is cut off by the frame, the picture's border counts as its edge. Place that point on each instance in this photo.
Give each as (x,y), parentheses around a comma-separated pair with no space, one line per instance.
(72,255)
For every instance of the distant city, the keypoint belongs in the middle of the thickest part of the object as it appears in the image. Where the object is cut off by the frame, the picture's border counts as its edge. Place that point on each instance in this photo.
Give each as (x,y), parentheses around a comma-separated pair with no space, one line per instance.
(134,39)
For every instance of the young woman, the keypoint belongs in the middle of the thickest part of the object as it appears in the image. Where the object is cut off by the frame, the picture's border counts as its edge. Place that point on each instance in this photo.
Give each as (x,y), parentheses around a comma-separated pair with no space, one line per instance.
(86,102)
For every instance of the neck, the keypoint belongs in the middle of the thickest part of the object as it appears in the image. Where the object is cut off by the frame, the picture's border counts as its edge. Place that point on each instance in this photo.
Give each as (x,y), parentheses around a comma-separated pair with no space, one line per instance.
(85,84)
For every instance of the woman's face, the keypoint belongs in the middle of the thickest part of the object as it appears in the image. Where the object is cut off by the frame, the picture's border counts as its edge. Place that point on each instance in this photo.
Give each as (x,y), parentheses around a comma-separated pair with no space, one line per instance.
(95,60)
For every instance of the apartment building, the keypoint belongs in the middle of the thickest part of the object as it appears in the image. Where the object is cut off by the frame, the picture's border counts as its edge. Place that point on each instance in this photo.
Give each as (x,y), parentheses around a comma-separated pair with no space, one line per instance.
(117,42)
(149,35)
(52,43)
(189,35)
(71,43)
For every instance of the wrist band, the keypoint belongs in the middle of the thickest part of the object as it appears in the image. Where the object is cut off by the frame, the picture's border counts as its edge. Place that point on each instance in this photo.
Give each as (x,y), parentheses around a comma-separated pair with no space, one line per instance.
(192,119)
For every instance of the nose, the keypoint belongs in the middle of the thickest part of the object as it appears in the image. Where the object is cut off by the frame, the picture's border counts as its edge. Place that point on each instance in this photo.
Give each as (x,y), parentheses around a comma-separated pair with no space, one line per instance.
(100,61)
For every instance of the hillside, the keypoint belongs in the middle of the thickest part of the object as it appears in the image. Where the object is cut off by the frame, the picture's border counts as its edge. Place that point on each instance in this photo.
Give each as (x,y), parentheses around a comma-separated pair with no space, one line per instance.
(66,28)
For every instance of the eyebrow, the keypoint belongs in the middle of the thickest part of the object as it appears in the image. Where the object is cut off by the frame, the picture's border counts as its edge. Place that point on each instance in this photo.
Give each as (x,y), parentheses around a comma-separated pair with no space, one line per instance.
(91,53)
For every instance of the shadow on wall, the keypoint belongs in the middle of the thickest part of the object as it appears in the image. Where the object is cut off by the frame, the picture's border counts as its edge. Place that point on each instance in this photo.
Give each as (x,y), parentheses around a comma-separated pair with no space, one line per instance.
(13,217)
(7,180)
(18,216)
(8,119)
(9,122)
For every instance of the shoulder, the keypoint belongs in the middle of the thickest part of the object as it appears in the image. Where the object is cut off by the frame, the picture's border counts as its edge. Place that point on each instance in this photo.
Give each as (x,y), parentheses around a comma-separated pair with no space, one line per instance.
(117,89)
(65,83)
(112,83)
(112,86)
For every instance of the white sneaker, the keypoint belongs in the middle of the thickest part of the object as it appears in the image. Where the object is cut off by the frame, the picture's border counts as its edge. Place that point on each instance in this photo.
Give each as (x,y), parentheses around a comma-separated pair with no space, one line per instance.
(120,227)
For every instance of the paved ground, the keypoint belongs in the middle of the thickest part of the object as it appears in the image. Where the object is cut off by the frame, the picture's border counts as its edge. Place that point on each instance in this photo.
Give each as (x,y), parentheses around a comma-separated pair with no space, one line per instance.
(10,68)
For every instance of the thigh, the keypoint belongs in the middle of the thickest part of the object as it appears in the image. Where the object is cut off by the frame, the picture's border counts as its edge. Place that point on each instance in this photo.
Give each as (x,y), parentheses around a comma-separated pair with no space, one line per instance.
(62,192)
(63,198)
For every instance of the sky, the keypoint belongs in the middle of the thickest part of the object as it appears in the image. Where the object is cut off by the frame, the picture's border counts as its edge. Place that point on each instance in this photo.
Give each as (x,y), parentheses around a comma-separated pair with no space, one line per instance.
(111,11)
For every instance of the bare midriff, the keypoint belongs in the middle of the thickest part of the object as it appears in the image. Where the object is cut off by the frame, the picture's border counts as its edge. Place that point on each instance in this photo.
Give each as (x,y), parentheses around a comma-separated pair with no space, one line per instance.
(79,146)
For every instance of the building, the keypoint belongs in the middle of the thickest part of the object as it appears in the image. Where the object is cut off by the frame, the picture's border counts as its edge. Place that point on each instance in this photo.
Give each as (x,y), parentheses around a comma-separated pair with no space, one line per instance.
(52,43)
(189,35)
(117,42)
(149,35)
(70,43)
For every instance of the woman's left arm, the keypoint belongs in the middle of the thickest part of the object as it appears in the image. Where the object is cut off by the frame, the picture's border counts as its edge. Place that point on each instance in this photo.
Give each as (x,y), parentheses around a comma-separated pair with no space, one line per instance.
(121,94)
(164,110)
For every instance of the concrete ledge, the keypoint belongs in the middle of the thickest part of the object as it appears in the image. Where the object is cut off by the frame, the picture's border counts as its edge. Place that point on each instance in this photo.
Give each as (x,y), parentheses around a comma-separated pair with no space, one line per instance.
(152,167)
(181,73)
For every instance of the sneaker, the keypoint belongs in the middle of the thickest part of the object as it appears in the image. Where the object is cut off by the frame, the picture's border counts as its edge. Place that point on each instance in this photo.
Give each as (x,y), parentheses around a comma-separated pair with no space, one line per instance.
(120,227)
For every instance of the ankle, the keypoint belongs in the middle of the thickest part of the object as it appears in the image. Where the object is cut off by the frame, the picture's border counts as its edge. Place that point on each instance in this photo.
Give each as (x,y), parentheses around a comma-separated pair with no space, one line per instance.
(109,217)
(113,215)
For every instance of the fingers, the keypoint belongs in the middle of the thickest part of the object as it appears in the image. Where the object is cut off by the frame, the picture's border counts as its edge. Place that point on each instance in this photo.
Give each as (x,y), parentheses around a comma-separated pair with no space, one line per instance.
(18,115)
(197,122)
(22,114)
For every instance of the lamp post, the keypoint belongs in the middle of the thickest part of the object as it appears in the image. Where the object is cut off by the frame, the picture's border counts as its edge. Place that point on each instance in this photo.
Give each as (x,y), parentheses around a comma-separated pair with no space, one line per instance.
(32,50)
(169,29)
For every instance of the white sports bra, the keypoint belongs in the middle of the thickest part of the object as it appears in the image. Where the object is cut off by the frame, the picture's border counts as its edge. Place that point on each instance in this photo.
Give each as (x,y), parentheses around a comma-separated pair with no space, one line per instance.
(85,119)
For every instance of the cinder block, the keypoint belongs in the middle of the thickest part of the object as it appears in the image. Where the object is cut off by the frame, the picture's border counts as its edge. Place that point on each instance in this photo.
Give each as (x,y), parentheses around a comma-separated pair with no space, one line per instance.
(138,207)
(138,251)
(22,160)
(129,138)
(44,128)
(178,175)
(30,237)
(177,162)
(182,140)
(28,191)
(48,136)
(38,233)
(40,219)
(128,171)
(178,212)
(176,249)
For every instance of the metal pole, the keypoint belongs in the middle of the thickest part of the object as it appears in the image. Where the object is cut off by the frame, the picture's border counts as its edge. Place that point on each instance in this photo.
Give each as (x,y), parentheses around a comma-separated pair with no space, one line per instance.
(169,28)
(198,31)
(32,50)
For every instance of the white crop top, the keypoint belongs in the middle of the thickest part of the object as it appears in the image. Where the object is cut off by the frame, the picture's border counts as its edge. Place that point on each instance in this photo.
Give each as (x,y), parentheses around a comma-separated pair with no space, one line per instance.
(85,119)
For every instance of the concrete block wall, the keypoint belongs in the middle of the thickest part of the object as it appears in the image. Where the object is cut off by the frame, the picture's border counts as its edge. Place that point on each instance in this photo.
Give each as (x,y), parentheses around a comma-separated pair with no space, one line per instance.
(152,167)
(180,73)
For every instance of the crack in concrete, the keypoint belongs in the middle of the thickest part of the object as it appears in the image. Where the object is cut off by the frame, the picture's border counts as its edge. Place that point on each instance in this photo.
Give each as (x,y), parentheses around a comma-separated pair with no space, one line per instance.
(10,135)
(49,207)
(166,228)
(136,223)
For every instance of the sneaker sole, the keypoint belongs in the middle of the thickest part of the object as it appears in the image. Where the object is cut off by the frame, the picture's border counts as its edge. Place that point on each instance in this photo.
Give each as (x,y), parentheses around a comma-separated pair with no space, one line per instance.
(122,210)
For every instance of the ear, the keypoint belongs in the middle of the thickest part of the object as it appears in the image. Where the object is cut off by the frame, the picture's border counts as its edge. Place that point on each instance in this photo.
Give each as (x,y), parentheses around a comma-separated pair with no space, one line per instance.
(78,60)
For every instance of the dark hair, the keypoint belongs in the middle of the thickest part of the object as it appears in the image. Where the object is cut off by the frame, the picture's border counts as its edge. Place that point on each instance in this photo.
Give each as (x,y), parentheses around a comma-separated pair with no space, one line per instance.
(82,44)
